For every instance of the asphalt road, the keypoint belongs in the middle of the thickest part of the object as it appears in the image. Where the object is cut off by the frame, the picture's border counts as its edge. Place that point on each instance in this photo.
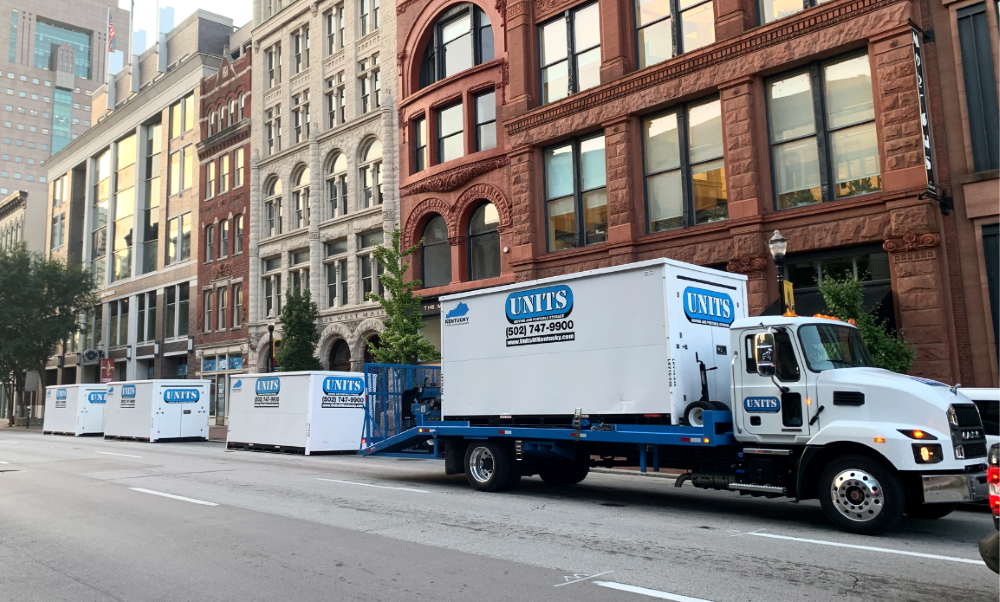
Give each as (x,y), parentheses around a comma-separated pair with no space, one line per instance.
(86,519)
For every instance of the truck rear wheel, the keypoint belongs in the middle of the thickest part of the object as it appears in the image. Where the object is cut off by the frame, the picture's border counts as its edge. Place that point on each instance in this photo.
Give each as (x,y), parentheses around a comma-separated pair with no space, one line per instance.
(860,495)
(693,414)
(488,466)
(929,511)
(564,473)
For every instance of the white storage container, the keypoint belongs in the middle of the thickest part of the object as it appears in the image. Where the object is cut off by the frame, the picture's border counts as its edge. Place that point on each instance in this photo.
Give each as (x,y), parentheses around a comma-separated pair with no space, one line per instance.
(157,409)
(613,341)
(74,409)
(297,411)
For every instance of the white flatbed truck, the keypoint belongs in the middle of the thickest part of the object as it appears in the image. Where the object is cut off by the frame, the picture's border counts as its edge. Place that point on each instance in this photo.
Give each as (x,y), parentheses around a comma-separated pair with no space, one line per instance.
(656,362)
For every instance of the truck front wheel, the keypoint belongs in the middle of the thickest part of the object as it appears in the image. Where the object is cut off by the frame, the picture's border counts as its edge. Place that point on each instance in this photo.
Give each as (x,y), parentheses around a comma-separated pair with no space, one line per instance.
(488,466)
(860,495)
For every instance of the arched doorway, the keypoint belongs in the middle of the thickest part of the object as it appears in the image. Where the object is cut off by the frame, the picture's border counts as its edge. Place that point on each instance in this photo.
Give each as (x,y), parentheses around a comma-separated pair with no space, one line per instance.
(369,358)
(340,356)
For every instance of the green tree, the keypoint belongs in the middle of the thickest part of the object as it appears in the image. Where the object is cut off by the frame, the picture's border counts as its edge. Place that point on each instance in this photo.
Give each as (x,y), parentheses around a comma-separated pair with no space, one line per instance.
(299,333)
(402,341)
(844,299)
(40,305)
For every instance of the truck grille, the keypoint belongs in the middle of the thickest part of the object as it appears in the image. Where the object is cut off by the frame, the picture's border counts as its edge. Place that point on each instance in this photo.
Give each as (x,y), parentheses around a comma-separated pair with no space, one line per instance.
(848,398)
(974,450)
(967,414)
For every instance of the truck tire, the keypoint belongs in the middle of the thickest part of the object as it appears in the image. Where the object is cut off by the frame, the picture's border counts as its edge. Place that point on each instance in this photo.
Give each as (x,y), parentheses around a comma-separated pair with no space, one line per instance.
(693,413)
(929,511)
(488,466)
(564,473)
(860,495)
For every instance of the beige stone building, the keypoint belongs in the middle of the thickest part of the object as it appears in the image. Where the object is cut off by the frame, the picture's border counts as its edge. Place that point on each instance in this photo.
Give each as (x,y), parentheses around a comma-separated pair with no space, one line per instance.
(323,177)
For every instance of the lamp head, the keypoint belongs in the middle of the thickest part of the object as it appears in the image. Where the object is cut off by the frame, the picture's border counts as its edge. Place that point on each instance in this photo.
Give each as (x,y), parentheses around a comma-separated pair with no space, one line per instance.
(778,245)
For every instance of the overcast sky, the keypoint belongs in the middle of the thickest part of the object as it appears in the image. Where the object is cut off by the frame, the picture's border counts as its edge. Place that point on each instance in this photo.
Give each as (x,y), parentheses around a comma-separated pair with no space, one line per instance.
(144,17)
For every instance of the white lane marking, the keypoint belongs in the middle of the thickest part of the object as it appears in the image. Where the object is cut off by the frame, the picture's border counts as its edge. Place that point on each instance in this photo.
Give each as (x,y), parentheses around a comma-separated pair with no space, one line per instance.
(869,548)
(114,454)
(376,486)
(2,462)
(578,577)
(172,496)
(652,593)
(14,442)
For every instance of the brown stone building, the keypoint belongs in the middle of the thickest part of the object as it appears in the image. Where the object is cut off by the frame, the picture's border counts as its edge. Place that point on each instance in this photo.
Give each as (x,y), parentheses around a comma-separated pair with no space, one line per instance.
(630,130)
(220,340)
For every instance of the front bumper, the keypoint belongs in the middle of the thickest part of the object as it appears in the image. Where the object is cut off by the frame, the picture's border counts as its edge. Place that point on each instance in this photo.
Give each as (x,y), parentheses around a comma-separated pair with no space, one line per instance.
(952,488)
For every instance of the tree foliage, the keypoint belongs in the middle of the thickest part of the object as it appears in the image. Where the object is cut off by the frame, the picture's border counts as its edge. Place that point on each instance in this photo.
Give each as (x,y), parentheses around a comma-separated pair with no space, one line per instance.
(844,299)
(299,333)
(40,305)
(402,341)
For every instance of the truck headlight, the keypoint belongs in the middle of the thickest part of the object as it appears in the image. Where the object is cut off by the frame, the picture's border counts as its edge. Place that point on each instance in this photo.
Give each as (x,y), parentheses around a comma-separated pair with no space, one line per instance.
(927,453)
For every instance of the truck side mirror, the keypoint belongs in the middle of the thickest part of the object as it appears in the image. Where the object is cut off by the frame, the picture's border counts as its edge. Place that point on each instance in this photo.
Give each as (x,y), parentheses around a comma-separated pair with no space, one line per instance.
(764,353)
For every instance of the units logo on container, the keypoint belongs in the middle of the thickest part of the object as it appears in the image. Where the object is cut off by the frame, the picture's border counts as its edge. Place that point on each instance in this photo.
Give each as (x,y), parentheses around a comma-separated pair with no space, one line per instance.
(267,390)
(458,315)
(343,392)
(761,405)
(238,385)
(128,395)
(61,398)
(181,395)
(549,303)
(708,307)
(97,397)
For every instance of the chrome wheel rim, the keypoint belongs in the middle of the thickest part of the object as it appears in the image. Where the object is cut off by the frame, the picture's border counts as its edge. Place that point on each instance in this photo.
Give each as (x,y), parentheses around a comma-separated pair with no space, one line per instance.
(857,495)
(481,465)
(697,417)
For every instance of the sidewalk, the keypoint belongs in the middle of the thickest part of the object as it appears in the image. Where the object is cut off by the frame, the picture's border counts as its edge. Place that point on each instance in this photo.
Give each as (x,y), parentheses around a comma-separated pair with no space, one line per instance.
(4,427)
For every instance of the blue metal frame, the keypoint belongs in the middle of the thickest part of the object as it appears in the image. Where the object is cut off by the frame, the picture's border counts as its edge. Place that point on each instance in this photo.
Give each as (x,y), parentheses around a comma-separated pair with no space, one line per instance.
(384,386)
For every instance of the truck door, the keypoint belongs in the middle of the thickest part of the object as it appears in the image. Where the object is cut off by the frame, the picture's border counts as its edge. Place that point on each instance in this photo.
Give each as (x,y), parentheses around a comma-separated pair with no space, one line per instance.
(767,410)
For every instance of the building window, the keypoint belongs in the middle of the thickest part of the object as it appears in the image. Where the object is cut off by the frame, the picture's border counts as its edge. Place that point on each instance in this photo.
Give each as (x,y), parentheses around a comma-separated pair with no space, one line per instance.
(370,269)
(370,87)
(330,20)
(336,100)
(980,86)
(238,234)
(336,186)
(49,35)
(223,174)
(300,46)
(667,29)
(223,238)
(182,116)
(462,38)
(336,273)
(179,239)
(61,119)
(272,287)
(435,254)
(771,10)
(210,180)
(419,144)
(486,121)
(484,243)
(451,142)
(570,51)
(124,208)
(273,60)
(208,311)
(272,208)
(822,130)
(58,231)
(232,113)
(223,307)
(371,174)
(118,322)
(237,305)
(576,199)
(211,123)
(685,172)
(151,202)
(299,272)
(300,198)
(238,173)
(243,110)
(300,117)
(12,54)
(209,243)
(272,129)
(370,18)
(146,324)
(176,324)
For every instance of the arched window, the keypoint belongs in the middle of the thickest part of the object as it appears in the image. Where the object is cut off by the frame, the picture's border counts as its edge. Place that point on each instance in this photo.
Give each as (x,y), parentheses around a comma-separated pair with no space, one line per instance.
(211,123)
(371,174)
(340,356)
(484,243)
(210,243)
(222,118)
(272,207)
(369,357)
(300,198)
(435,254)
(336,186)
(232,112)
(243,111)
(462,38)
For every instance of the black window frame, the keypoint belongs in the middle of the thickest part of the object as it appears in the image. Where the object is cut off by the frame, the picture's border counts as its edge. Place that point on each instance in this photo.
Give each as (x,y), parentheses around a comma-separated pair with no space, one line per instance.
(478,124)
(438,137)
(423,253)
(676,31)
(579,211)
(980,82)
(572,83)
(821,130)
(469,238)
(432,58)
(420,151)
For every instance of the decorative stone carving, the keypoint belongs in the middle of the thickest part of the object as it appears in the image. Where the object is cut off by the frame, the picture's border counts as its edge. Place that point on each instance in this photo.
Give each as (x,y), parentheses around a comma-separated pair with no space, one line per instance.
(314,7)
(516,9)
(421,211)
(492,194)
(223,270)
(912,242)
(451,179)
(253,339)
(501,6)
(746,264)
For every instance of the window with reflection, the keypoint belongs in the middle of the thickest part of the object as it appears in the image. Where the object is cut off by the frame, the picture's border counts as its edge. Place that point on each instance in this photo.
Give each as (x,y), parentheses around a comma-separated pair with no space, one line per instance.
(824,144)
(419,144)
(685,171)
(435,254)
(300,197)
(486,120)
(484,243)
(462,38)
(371,174)
(771,10)
(336,186)
(667,28)
(451,142)
(576,200)
(570,52)
(272,207)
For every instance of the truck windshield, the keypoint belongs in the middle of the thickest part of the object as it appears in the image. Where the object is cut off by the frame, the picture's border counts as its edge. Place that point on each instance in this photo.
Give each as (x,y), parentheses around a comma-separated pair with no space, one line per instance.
(829,346)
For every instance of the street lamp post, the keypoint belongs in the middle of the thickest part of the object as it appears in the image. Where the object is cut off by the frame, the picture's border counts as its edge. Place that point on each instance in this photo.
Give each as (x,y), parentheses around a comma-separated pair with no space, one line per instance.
(270,356)
(778,245)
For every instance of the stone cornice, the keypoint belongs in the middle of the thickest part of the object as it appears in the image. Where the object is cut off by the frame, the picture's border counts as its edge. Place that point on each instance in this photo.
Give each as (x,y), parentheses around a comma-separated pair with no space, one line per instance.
(227,137)
(15,201)
(449,180)
(819,18)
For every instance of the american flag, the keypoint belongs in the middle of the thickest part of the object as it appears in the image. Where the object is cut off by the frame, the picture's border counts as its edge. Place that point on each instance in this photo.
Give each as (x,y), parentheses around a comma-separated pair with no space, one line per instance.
(111,33)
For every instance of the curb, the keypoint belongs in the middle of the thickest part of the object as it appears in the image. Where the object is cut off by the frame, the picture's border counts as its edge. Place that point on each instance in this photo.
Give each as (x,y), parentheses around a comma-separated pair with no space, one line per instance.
(634,473)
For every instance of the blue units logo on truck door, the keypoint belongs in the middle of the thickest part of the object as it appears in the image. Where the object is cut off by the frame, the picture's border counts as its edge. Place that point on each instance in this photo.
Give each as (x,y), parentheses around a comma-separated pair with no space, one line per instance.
(708,307)
(267,390)
(61,398)
(128,396)
(181,395)
(761,405)
(343,392)
(539,316)
(97,397)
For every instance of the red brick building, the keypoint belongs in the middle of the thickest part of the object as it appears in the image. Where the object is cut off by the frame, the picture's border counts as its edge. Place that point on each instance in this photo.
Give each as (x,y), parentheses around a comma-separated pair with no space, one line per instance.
(221,343)
(637,129)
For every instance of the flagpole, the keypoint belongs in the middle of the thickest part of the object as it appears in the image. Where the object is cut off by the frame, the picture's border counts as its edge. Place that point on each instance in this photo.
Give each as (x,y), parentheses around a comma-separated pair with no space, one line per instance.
(107,51)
